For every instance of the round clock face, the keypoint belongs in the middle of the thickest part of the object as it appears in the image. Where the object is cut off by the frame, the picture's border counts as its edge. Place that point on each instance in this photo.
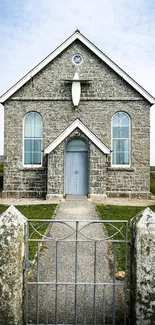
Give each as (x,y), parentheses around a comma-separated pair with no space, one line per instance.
(77,58)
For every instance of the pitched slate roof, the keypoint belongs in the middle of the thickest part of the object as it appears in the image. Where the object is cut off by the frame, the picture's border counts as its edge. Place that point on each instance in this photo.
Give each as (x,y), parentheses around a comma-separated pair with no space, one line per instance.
(77,124)
(77,36)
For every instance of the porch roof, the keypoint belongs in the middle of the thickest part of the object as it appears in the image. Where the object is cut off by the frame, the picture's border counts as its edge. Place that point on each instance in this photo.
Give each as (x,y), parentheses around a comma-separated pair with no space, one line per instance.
(77,124)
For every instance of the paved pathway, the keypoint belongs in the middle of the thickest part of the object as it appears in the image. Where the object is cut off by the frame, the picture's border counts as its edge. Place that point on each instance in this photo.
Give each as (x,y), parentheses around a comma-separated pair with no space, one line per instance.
(108,201)
(73,210)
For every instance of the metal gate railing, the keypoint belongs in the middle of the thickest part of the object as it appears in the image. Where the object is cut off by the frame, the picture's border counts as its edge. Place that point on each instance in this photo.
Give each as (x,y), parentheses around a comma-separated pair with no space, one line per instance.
(77,272)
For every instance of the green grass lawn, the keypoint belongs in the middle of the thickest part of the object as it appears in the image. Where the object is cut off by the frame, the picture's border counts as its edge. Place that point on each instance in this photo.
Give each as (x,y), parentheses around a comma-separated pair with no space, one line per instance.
(40,211)
(1,176)
(152,186)
(120,213)
(3,208)
(1,167)
(152,180)
(46,211)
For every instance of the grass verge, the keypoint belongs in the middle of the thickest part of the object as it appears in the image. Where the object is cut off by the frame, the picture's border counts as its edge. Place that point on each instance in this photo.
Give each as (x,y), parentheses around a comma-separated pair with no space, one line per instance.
(1,167)
(152,186)
(152,181)
(120,213)
(40,211)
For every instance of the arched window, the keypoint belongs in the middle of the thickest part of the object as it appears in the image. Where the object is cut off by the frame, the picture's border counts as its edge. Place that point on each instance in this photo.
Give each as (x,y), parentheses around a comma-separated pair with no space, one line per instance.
(32,139)
(121,139)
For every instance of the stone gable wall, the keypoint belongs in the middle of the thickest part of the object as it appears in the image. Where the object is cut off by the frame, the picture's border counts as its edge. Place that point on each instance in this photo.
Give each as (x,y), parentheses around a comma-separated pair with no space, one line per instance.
(49,82)
(50,96)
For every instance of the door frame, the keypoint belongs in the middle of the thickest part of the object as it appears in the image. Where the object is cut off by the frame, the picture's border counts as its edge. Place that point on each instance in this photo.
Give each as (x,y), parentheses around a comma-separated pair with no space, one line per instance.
(88,162)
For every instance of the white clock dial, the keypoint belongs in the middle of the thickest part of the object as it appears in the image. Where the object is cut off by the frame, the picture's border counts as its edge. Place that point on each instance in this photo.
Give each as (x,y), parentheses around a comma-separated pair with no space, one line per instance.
(77,59)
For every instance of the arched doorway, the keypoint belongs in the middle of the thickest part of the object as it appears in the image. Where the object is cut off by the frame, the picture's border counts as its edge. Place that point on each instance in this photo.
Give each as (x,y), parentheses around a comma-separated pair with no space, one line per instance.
(76,173)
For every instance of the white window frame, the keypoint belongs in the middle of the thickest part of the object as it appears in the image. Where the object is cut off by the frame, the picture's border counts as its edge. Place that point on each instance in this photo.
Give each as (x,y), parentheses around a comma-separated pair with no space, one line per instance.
(121,165)
(32,165)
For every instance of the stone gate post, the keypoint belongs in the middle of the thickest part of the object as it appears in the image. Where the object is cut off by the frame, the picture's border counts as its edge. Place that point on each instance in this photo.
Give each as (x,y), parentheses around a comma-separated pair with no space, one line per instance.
(12,247)
(143,269)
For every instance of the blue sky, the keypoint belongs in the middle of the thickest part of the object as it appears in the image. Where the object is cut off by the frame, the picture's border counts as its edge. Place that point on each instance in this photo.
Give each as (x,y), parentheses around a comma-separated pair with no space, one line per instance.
(123,29)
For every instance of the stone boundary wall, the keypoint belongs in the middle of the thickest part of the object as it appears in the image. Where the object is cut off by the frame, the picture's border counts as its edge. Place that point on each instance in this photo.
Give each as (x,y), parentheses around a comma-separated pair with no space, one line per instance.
(143,269)
(12,248)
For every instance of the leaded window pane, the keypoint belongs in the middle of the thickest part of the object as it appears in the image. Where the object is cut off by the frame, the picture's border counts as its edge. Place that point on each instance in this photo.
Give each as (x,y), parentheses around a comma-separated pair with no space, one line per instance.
(116,120)
(121,139)
(125,119)
(32,145)
(28,145)
(121,158)
(28,131)
(32,138)
(37,145)
(121,132)
(37,131)
(121,145)
(36,158)
(27,158)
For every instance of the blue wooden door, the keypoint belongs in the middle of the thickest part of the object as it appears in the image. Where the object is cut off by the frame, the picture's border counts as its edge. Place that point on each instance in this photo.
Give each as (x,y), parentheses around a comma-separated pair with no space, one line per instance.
(76,171)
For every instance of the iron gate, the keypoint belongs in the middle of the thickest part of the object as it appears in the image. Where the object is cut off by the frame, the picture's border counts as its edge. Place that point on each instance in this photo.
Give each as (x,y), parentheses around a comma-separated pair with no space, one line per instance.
(75,273)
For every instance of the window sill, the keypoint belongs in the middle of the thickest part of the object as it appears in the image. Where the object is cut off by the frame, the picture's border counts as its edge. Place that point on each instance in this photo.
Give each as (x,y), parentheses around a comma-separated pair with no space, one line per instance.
(32,168)
(121,169)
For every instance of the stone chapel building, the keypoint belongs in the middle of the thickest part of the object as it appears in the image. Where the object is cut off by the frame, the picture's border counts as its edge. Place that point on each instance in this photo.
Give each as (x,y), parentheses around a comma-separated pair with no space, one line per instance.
(77,124)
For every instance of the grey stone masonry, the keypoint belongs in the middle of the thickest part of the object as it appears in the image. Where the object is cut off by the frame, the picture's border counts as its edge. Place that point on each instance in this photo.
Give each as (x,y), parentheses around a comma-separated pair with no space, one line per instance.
(48,94)
(1,158)
(56,168)
(143,269)
(12,247)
